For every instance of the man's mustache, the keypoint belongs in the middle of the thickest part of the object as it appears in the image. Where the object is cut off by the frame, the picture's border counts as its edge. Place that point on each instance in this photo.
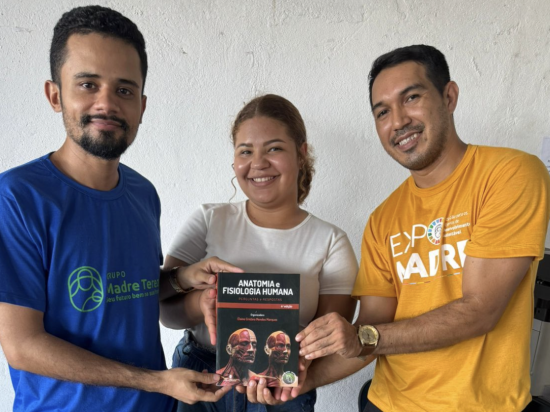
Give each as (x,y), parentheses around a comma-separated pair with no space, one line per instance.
(85,119)
(418,128)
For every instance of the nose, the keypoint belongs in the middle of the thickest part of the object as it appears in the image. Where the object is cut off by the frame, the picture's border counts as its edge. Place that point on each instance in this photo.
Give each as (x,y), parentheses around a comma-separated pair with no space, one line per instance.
(400,118)
(106,101)
(259,161)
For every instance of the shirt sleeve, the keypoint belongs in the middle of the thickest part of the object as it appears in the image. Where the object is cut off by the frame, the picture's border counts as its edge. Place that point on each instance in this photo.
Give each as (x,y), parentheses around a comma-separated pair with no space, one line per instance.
(374,277)
(514,210)
(339,269)
(22,273)
(190,242)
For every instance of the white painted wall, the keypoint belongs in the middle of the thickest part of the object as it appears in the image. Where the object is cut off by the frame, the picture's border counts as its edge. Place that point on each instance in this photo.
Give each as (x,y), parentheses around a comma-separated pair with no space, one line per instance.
(208,57)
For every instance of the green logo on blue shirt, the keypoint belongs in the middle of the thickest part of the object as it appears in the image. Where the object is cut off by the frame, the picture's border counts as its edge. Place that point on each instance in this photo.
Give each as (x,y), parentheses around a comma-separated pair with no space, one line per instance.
(85,289)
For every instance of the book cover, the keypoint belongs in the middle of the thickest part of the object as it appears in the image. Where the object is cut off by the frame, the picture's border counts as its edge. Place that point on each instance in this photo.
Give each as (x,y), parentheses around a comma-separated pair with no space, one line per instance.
(257,320)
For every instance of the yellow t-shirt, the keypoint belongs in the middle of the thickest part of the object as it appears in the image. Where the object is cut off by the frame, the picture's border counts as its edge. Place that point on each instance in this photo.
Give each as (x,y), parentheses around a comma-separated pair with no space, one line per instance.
(494,205)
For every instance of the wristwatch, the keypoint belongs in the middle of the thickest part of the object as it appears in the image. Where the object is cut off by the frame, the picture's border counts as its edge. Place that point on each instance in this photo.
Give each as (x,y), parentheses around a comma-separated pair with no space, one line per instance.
(368,338)
(173,279)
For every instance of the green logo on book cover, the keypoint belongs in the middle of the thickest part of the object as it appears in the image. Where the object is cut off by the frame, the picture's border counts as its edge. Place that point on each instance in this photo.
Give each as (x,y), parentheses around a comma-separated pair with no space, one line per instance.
(85,289)
(289,378)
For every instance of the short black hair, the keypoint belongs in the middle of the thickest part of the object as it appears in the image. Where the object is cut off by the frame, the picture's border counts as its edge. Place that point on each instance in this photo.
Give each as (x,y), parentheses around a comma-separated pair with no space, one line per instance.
(94,19)
(432,59)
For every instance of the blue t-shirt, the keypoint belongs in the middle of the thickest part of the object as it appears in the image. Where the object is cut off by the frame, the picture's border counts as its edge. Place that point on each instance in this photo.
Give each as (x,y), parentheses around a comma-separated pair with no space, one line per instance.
(90,261)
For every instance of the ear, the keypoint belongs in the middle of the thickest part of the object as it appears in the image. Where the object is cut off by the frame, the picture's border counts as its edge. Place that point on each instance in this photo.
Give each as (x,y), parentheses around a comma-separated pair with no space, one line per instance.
(143,106)
(267,350)
(450,95)
(53,94)
(228,349)
(303,149)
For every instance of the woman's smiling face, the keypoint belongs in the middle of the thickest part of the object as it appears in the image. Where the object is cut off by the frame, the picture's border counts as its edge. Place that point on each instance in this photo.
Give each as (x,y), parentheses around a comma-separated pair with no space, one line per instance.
(266,162)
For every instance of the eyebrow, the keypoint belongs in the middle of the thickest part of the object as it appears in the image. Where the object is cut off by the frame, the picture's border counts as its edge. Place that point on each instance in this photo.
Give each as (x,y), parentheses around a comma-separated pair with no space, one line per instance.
(265,144)
(86,75)
(402,93)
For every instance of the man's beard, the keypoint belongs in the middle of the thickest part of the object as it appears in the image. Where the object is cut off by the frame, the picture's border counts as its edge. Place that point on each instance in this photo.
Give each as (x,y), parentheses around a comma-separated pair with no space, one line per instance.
(105,146)
(419,161)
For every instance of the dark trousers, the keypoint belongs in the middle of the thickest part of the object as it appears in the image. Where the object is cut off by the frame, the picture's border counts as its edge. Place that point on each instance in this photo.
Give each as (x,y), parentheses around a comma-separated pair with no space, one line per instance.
(370,407)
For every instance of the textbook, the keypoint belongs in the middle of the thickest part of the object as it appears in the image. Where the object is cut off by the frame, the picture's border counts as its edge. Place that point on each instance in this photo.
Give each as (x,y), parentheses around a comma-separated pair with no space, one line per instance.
(257,321)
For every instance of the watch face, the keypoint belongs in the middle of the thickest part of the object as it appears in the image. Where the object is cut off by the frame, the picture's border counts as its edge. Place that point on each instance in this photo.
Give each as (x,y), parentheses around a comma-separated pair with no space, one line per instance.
(368,335)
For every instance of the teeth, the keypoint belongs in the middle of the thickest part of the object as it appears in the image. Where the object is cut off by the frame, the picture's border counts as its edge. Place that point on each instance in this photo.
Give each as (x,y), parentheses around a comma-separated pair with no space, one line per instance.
(262,179)
(408,139)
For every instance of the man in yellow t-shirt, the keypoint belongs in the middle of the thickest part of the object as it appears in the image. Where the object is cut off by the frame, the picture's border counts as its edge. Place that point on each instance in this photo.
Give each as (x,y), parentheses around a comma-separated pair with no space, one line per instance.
(448,260)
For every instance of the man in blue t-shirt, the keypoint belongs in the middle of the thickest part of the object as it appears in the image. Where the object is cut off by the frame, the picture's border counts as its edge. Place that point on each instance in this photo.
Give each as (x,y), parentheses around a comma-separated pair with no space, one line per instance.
(80,242)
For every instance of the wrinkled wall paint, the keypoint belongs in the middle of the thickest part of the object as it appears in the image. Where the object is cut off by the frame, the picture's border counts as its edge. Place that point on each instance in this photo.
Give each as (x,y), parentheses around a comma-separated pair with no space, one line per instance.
(208,57)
